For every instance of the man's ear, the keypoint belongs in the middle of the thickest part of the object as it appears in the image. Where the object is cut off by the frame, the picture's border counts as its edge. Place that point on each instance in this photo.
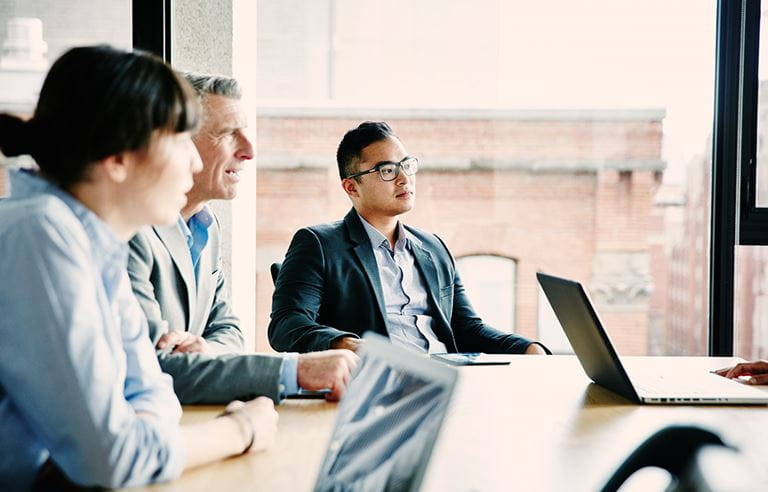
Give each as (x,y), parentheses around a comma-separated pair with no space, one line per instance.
(350,186)
(116,167)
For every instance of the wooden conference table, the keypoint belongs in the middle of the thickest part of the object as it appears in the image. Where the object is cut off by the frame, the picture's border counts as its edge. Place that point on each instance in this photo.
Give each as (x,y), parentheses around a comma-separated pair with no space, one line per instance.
(536,424)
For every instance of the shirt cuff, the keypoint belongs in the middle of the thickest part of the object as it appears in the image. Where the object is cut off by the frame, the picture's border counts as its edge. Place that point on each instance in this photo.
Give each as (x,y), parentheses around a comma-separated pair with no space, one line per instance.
(289,375)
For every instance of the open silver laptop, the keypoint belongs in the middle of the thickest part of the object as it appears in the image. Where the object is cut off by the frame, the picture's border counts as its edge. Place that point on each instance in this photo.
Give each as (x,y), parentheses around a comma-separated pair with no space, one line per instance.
(650,379)
(388,420)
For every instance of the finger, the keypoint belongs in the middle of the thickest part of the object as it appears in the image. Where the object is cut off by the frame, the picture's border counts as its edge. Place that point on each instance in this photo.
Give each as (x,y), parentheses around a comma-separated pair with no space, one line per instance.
(758,379)
(191,343)
(336,392)
(723,371)
(736,371)
(235,405)
(757,367)
(169,339)
(264,402)
(348,354)
(188,347)
(353,360)
(743,368)
(194,342)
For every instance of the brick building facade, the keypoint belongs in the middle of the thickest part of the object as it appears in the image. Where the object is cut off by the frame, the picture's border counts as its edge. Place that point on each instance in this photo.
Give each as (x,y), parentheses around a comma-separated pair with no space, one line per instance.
(566,192)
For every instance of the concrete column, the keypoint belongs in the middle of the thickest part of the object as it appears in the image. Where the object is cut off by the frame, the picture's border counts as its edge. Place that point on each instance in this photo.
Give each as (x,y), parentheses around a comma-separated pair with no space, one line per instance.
(219,36)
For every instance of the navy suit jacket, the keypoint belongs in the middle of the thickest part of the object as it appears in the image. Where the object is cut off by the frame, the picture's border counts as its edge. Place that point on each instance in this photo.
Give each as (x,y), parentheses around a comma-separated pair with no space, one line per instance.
(329,287)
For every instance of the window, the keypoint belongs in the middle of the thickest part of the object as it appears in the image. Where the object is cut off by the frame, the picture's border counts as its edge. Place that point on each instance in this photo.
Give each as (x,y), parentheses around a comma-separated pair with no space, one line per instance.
(34,33)
(751,254)
(490,284)
(586,155)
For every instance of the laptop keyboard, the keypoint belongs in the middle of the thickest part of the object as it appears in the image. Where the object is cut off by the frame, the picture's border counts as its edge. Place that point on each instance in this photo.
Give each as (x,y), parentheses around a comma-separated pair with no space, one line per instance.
(671,386)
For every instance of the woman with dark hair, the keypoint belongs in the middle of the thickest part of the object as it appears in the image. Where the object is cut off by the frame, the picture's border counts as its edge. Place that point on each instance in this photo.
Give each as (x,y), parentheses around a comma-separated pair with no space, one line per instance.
(82,398)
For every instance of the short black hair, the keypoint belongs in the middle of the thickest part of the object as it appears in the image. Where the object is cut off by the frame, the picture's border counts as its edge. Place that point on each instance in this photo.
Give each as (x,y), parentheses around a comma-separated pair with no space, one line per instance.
(98,101)
(355,140)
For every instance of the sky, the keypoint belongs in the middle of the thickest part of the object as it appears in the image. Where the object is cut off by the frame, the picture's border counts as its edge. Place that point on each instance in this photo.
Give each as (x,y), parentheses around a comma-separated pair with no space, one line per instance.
(616,54)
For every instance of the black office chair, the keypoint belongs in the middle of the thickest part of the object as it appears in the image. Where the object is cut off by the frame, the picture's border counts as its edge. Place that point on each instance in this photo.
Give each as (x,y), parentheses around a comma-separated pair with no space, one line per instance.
(274,269)
(696,458)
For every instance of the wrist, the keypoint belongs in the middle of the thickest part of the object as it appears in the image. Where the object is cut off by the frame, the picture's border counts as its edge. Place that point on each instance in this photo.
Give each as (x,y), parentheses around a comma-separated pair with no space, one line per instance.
(244,423)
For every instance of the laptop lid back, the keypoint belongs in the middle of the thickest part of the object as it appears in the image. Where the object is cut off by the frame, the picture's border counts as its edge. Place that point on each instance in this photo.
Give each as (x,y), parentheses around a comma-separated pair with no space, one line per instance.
(388,420)
(589,340)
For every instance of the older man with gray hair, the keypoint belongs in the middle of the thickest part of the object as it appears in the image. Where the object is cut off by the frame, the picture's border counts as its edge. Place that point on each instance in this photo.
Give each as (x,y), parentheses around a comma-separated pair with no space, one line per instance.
(177,277)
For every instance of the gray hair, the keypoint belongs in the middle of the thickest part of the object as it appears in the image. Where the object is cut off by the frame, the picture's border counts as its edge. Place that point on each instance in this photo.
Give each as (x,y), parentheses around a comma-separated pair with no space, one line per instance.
(219,85)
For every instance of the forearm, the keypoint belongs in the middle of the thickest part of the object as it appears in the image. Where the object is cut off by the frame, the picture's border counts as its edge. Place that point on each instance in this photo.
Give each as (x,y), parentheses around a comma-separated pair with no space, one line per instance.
(213,440)
(477,337)
(289,332)
(206,379)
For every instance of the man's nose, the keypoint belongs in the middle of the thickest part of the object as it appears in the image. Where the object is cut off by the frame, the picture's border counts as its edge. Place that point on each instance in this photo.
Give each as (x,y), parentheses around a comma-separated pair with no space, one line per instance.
(402,178)
(244,147)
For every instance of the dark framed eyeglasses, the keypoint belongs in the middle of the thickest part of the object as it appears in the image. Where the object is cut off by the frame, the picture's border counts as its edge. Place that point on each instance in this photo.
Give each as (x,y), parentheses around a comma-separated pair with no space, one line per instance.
(390,170)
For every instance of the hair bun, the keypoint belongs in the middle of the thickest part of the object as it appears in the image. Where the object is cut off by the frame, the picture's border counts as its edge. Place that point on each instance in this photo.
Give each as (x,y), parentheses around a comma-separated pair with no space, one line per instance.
(15,135)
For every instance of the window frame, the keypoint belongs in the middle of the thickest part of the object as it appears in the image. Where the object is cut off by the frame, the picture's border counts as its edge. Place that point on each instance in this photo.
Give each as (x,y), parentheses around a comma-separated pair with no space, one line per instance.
(152,27)
(734,173)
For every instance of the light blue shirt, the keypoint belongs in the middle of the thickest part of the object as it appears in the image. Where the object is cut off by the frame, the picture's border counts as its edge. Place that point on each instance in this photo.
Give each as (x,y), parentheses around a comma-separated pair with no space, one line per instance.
(195,232)
(405,296)
(76,362)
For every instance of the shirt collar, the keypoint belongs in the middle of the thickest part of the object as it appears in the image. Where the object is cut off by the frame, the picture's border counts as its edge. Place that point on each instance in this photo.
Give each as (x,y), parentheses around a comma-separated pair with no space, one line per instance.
(105,243)
(377,238)
(202,219)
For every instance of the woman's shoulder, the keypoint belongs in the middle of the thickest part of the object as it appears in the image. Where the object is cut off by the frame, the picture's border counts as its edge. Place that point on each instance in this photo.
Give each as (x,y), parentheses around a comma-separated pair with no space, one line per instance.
(42,215)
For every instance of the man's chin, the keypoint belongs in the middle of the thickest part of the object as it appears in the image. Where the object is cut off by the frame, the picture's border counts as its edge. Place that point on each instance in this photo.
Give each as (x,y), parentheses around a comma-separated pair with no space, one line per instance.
(404,208)
(228,193)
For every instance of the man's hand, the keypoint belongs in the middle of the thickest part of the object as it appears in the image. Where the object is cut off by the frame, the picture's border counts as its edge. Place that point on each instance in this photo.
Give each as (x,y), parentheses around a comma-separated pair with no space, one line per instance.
(535,349)
(750,372)
(327,369)
(182,342)
(349,343)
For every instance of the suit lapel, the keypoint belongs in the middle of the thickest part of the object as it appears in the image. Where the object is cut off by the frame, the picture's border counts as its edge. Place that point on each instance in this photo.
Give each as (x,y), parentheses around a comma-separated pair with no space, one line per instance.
(205,288)
(174,241)
(426,266)
(364,253)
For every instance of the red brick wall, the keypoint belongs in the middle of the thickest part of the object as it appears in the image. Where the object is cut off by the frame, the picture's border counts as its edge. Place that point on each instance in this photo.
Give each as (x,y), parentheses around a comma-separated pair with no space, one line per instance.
(553,220)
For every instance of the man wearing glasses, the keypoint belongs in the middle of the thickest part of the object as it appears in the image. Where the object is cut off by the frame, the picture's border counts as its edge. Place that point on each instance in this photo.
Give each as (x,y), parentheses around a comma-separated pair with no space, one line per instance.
(369,271)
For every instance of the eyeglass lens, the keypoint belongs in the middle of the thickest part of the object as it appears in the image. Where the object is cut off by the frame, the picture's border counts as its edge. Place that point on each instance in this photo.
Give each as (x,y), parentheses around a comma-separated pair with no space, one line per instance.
(388,172)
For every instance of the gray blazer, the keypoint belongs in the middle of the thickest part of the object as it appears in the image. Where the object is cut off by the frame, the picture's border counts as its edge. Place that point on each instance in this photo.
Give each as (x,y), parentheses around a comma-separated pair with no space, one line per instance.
(163,280)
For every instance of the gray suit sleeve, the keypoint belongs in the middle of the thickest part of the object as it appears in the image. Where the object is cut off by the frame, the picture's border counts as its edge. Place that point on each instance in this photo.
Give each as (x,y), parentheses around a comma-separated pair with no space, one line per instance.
(200,378)
(219,379)
(223,328)
(140,265)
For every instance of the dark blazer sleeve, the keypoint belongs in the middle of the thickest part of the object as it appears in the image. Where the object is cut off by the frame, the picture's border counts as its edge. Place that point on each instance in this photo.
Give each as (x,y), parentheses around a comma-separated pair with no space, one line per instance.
(469,330)
(297,299)
(200,378)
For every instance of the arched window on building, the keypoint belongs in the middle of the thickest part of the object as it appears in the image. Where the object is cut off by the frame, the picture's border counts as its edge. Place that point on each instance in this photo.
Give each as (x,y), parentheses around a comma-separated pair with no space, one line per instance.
(490,282)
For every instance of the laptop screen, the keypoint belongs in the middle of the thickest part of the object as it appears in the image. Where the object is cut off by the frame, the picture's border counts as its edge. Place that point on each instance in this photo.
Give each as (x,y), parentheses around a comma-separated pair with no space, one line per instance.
(387,421)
